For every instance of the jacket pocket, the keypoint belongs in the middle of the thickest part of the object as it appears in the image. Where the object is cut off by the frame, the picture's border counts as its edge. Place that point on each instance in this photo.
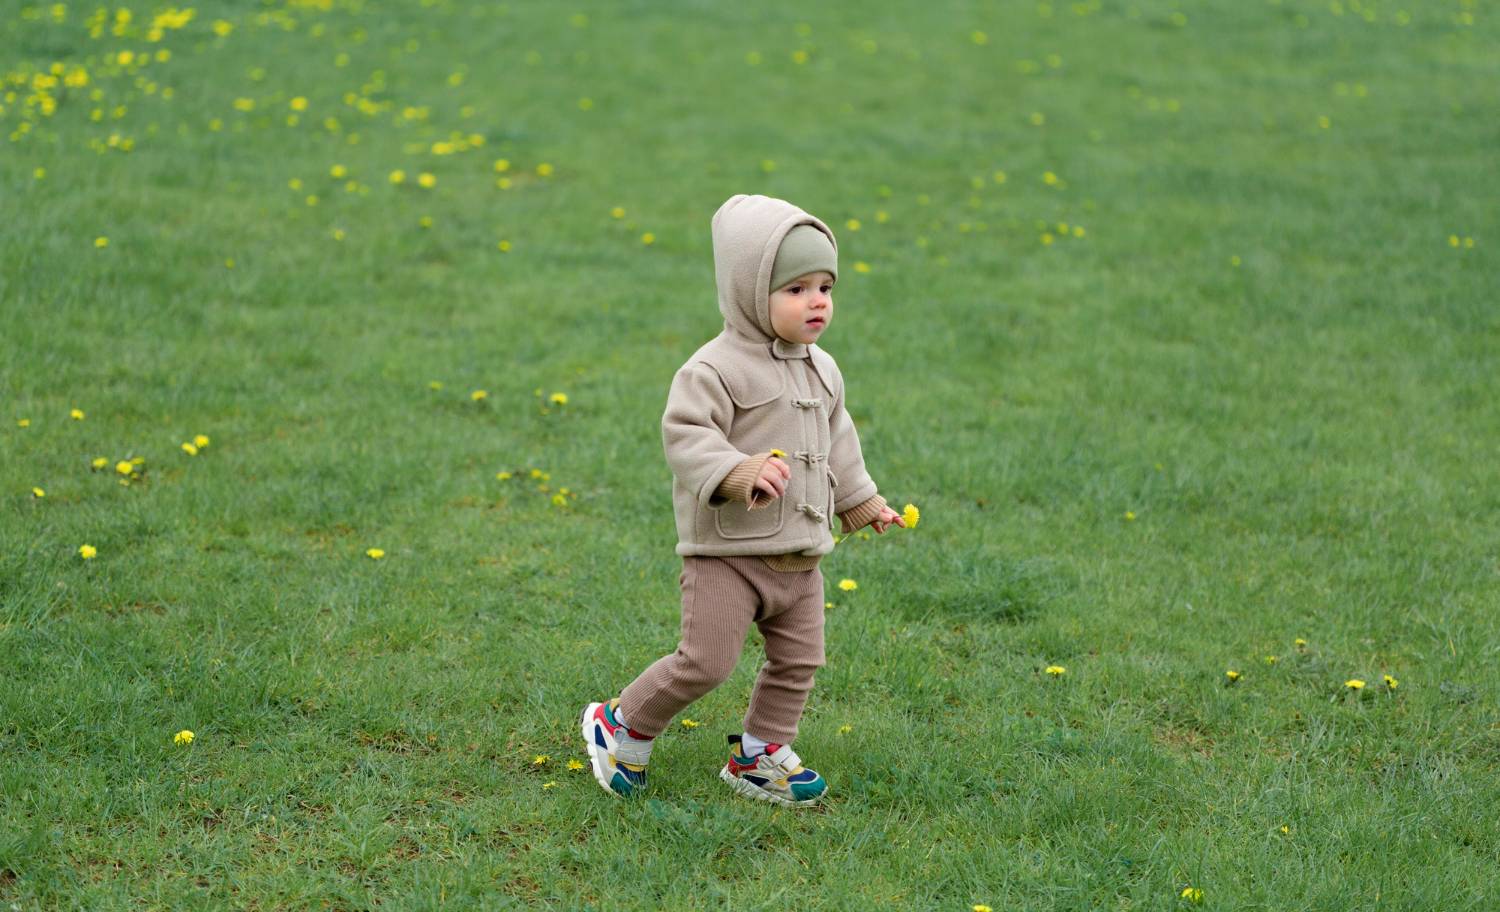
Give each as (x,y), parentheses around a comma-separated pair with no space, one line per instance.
(833,482)
(735,520)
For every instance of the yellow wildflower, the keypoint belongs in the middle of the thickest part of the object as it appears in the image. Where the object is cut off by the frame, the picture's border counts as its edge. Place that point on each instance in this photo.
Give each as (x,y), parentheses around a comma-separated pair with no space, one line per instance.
(1192,894)
(503,476)
(188,448)
(99,462)
(1299,643)
(375,553)
(1232,675)
(845,729)
(398,176)
(427,180)
(617,212)
(576,764)
(1354,684)
(544,170)
(560,398)
(87,552)
(980,907)
(183,737)
(861,267)
(38,492)
(200,440)
(502,164)
(101,242)
(779,454)
(1129,516)
(23,422)
(910,515)
(1056,670)
(1390,682)
(137,460)
(298,104)
(503,245)
(124,467)
(648,238)
(540,760)
(689,723)
(848,585)
(479,395)
(75,414)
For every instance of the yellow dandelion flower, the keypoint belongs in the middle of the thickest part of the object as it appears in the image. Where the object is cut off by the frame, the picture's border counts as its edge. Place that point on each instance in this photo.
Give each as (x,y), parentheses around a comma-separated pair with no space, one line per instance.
(1037,118)
(1270,660)
(576,764)
(537,473)
(540,760)
(779,454)
(1299,643)
(99,462)
(338,171)
(503,476)
(88,552)
(1286,830)
(648,238)
(101,242)
(504,246)
(1047,239)
(1390,682)
(502,164)
(38,492)
(375,553)
(76,414)
(124,467)
(1192,894)
(980,907)
(1049,178)
(298,104)
(479,395)
(398,176)
(23,422)
(1129,516)
(1056,670)
(617,212)
(544,170)
(852,224)
(845,729)
(434,384)
(427,180)
(137,460)
(861,266)
(979,38)
(1232,675)
(848,585)
(828,606)
(1354,684)
(222,28)
(547,785)
(200,440)
(689,723)
(188,448)
(559,500)
(183,737)
(910,514)
(560,398)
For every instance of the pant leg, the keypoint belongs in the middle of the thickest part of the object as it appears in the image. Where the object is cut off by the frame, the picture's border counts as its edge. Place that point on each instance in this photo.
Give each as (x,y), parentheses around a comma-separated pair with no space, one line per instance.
(718,604)
(792,624)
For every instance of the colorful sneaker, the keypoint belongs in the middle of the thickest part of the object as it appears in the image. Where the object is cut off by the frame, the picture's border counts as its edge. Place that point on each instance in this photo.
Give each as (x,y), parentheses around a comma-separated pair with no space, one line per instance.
(601,732)
(776,775)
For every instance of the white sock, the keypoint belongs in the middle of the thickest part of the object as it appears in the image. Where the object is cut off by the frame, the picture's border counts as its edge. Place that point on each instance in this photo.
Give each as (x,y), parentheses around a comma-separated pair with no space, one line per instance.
(752,745)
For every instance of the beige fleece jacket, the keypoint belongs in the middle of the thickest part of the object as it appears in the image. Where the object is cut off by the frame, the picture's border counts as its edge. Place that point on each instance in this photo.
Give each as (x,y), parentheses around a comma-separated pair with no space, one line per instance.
(747,392)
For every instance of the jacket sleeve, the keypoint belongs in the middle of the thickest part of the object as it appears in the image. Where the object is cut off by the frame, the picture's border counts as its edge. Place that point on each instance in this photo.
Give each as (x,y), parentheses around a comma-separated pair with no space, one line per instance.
(695,432)
(845,459)
(739,484)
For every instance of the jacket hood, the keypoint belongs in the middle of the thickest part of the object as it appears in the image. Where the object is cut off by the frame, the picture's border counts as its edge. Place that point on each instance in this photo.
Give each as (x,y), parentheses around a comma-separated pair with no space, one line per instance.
(747,232)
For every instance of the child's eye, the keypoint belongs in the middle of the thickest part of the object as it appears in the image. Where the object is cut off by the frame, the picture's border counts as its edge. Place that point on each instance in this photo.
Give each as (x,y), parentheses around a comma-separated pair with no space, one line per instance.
(795,289)
(827,288)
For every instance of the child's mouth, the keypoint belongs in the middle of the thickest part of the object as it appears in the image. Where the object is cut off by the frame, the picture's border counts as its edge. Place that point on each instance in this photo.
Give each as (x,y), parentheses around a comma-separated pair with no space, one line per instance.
(816,321)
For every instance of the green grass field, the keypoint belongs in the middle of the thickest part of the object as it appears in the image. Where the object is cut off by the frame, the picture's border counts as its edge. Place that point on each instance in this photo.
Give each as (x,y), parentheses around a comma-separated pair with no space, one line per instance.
(1177,320)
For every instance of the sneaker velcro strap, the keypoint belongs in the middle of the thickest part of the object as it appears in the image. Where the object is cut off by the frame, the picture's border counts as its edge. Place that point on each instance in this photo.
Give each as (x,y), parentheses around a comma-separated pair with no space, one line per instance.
(785,760)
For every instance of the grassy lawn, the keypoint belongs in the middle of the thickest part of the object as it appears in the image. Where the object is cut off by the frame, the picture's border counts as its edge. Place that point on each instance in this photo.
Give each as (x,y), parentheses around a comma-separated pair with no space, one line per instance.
(1177,320)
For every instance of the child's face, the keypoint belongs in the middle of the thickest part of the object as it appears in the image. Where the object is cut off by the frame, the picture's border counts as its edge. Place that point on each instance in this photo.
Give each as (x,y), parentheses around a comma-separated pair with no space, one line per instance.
(802,308)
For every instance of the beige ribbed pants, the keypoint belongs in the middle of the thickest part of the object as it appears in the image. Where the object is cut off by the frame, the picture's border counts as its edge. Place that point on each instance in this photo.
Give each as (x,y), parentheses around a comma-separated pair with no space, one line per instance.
(720,597)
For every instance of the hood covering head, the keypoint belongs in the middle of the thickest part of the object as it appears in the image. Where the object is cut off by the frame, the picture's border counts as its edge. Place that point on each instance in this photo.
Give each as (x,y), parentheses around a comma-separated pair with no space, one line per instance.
(747,233)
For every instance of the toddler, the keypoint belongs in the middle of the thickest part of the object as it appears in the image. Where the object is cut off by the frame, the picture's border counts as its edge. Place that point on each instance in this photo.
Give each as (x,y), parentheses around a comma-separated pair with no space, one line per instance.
(763,454)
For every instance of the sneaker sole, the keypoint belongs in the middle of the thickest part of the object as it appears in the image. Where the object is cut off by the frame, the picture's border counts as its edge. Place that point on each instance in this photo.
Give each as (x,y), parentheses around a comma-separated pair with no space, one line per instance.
(751,790)
(596,758)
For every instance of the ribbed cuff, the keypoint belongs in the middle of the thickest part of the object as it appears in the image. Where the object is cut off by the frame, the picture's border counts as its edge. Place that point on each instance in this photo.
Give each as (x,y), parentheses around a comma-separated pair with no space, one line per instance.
(739,484)
(860,516)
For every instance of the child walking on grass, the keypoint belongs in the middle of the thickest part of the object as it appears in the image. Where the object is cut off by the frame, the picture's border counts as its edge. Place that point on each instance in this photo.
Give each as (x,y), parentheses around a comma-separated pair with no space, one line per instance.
(763,455)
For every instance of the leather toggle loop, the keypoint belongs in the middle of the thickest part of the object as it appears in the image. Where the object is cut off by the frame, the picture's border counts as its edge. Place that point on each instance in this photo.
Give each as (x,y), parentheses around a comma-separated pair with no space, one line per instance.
(809,457)
(807,403)
(813,511)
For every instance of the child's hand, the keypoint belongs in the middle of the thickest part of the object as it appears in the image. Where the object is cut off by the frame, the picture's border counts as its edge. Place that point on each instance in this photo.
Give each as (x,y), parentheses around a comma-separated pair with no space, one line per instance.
(885,519)
(772,480)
